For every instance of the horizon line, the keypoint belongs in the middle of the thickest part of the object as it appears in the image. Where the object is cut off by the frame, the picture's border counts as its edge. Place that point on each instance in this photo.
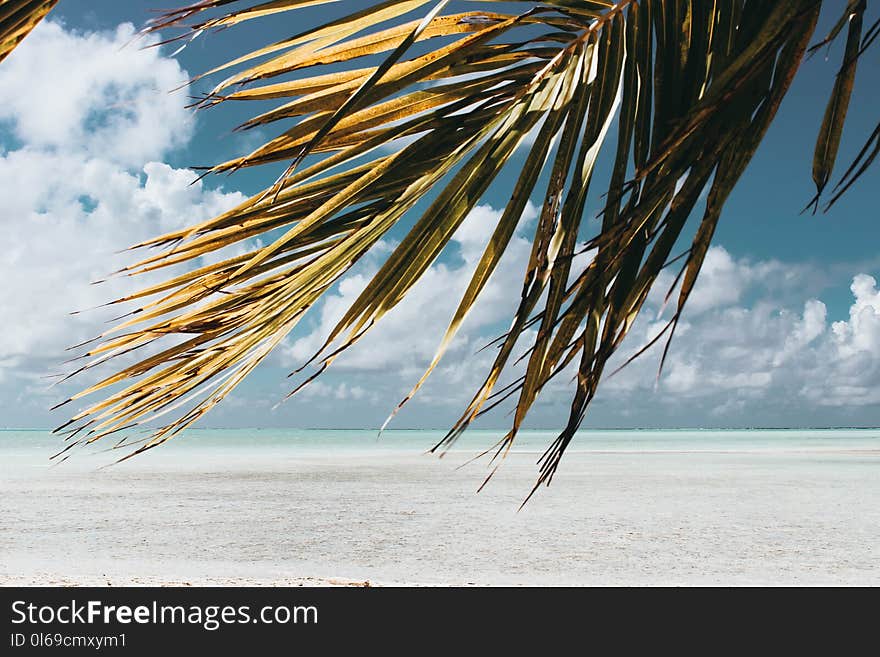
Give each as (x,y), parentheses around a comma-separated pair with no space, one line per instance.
(546,430)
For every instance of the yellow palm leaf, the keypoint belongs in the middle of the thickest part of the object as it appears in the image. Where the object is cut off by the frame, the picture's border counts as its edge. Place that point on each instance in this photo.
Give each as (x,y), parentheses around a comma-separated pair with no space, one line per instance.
(688,89)
(17,19)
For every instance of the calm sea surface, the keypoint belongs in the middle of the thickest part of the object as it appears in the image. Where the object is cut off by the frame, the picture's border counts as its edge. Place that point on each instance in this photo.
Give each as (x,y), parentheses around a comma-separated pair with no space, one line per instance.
(32,446)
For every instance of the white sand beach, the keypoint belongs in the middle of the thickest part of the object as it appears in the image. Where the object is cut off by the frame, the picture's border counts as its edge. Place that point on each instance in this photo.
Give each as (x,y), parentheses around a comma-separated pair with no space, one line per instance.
(787,514)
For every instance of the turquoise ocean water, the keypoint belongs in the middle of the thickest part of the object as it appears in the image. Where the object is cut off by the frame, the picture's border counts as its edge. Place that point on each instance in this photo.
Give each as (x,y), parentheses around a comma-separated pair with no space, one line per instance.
(35,445)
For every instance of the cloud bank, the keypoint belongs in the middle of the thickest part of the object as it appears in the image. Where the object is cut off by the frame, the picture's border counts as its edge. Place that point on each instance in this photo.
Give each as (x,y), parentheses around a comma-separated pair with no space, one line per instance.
(743,344)
(84,126)
(83,177)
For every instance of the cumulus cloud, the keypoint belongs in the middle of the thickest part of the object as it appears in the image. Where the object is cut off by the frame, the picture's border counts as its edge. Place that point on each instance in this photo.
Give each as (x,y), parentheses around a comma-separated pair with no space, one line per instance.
(861,334)
(407,338)
(741,344)
(725,280)
(66,232)
(96,93)
(853,349)
(81,181)
(728,353)
(82,177)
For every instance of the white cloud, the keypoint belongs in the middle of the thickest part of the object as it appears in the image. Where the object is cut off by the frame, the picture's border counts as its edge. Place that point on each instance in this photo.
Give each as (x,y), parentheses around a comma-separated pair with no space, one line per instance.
(728,352)
(853,349)
(66,232)
(80,183)
(741,345)
(807,329)
(724,280)
(409,335)
(861,334)
(96,93)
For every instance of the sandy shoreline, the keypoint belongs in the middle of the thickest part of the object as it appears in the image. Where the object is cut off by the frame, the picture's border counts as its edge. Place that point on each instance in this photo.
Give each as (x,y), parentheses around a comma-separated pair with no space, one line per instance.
(729,517)
(46,579)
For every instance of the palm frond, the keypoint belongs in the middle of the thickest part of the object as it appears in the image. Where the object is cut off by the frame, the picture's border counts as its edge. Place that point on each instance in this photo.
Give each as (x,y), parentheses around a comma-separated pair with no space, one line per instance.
(857,42)
(17,19)
(689,88)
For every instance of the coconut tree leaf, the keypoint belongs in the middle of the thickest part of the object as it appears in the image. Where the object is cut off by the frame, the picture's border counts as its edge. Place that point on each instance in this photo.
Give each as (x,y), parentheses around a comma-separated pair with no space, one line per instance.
(17,19)
(372,128)
(828,142)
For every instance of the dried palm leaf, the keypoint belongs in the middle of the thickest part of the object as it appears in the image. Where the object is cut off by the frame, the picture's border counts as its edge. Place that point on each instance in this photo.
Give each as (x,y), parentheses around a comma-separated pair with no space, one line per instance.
(689,88)
(17,19)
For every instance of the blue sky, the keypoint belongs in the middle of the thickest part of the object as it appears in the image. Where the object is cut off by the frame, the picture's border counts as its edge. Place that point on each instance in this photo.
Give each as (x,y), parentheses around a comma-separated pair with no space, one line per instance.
(785,329)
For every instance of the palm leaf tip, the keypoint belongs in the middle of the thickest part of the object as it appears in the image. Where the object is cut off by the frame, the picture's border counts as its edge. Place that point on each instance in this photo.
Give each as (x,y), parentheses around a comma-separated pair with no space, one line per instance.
(17,19)
(688,90)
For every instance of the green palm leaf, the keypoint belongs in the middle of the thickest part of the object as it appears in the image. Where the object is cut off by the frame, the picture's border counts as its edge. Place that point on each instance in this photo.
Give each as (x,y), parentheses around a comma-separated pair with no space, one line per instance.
(690,89)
